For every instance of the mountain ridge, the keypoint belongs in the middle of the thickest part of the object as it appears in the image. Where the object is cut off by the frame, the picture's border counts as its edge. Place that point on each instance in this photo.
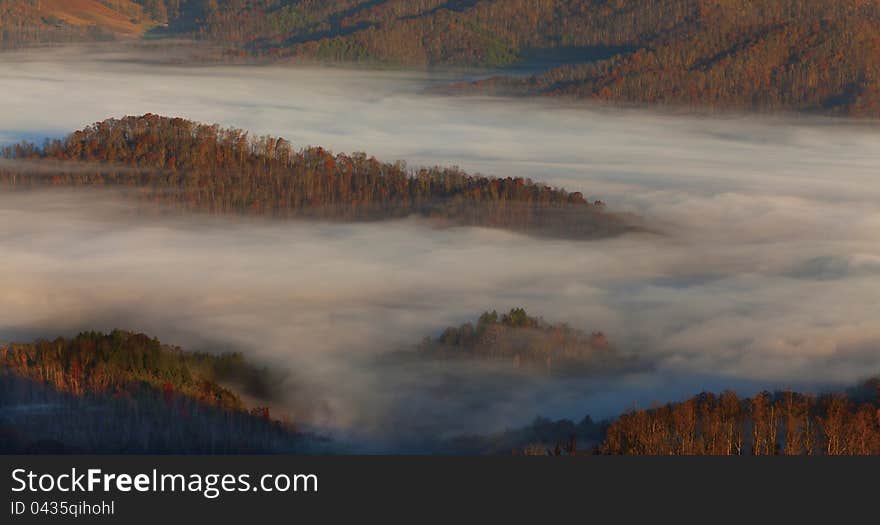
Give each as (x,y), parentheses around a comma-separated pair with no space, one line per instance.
(793,55)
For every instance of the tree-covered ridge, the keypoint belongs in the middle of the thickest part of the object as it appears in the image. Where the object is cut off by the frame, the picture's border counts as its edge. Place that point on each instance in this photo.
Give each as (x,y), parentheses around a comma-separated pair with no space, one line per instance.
(523,340)
(426,32)
(766,54)
(811,55)
(96,364)
(762,54)
(786,423)
(127,393)
(206,168)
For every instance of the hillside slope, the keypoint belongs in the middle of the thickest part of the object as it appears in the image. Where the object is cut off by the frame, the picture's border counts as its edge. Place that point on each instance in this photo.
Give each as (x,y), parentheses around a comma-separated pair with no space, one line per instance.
(124,392)
(24,22)
(789,55)
(801,57)
(809,55)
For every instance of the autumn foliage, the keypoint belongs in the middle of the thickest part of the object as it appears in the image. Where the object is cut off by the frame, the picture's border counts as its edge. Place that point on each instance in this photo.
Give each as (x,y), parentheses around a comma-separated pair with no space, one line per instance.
(806,55)
(28,22)
(94,363)
(197,167)
(785,423)
(525,341)
(125,392)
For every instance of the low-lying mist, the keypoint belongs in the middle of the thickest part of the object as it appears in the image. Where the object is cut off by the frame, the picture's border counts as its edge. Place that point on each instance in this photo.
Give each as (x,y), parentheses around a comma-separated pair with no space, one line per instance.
(766,273)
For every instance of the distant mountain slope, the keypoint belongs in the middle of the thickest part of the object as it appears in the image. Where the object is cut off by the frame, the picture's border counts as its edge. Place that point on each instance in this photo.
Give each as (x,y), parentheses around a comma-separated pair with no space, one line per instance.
(423,32)
(120,16)
(25,22)
(813,55)
(800,56)
(805,55)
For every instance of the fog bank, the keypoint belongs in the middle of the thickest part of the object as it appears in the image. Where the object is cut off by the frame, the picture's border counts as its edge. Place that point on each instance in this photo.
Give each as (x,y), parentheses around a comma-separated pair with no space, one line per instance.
(767,272)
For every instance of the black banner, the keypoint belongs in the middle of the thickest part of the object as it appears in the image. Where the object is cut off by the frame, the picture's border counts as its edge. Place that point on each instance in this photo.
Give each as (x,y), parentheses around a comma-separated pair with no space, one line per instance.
(209,489)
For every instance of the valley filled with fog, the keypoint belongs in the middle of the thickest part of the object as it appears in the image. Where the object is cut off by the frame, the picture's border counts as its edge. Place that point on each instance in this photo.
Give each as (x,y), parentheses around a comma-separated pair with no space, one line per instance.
(758,266)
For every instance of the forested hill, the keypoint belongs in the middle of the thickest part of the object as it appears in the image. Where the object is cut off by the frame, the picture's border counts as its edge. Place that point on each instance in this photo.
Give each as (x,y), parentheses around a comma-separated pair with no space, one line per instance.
(528,342)
(768,55)
(767,424)
(810,55)
(195,167)
(126,392)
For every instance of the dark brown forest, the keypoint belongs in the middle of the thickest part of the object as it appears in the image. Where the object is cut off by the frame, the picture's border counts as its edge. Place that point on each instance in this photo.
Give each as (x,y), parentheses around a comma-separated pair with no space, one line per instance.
(803,55)
(127,393)
(809,55)
(195,167)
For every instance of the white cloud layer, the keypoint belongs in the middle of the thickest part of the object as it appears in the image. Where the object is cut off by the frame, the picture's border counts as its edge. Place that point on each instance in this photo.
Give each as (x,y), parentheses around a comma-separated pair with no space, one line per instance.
(767,272)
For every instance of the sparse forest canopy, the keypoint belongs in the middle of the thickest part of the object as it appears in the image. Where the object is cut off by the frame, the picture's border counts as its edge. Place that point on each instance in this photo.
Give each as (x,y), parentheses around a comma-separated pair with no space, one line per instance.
(780,423)
(198,167)
(768,424)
